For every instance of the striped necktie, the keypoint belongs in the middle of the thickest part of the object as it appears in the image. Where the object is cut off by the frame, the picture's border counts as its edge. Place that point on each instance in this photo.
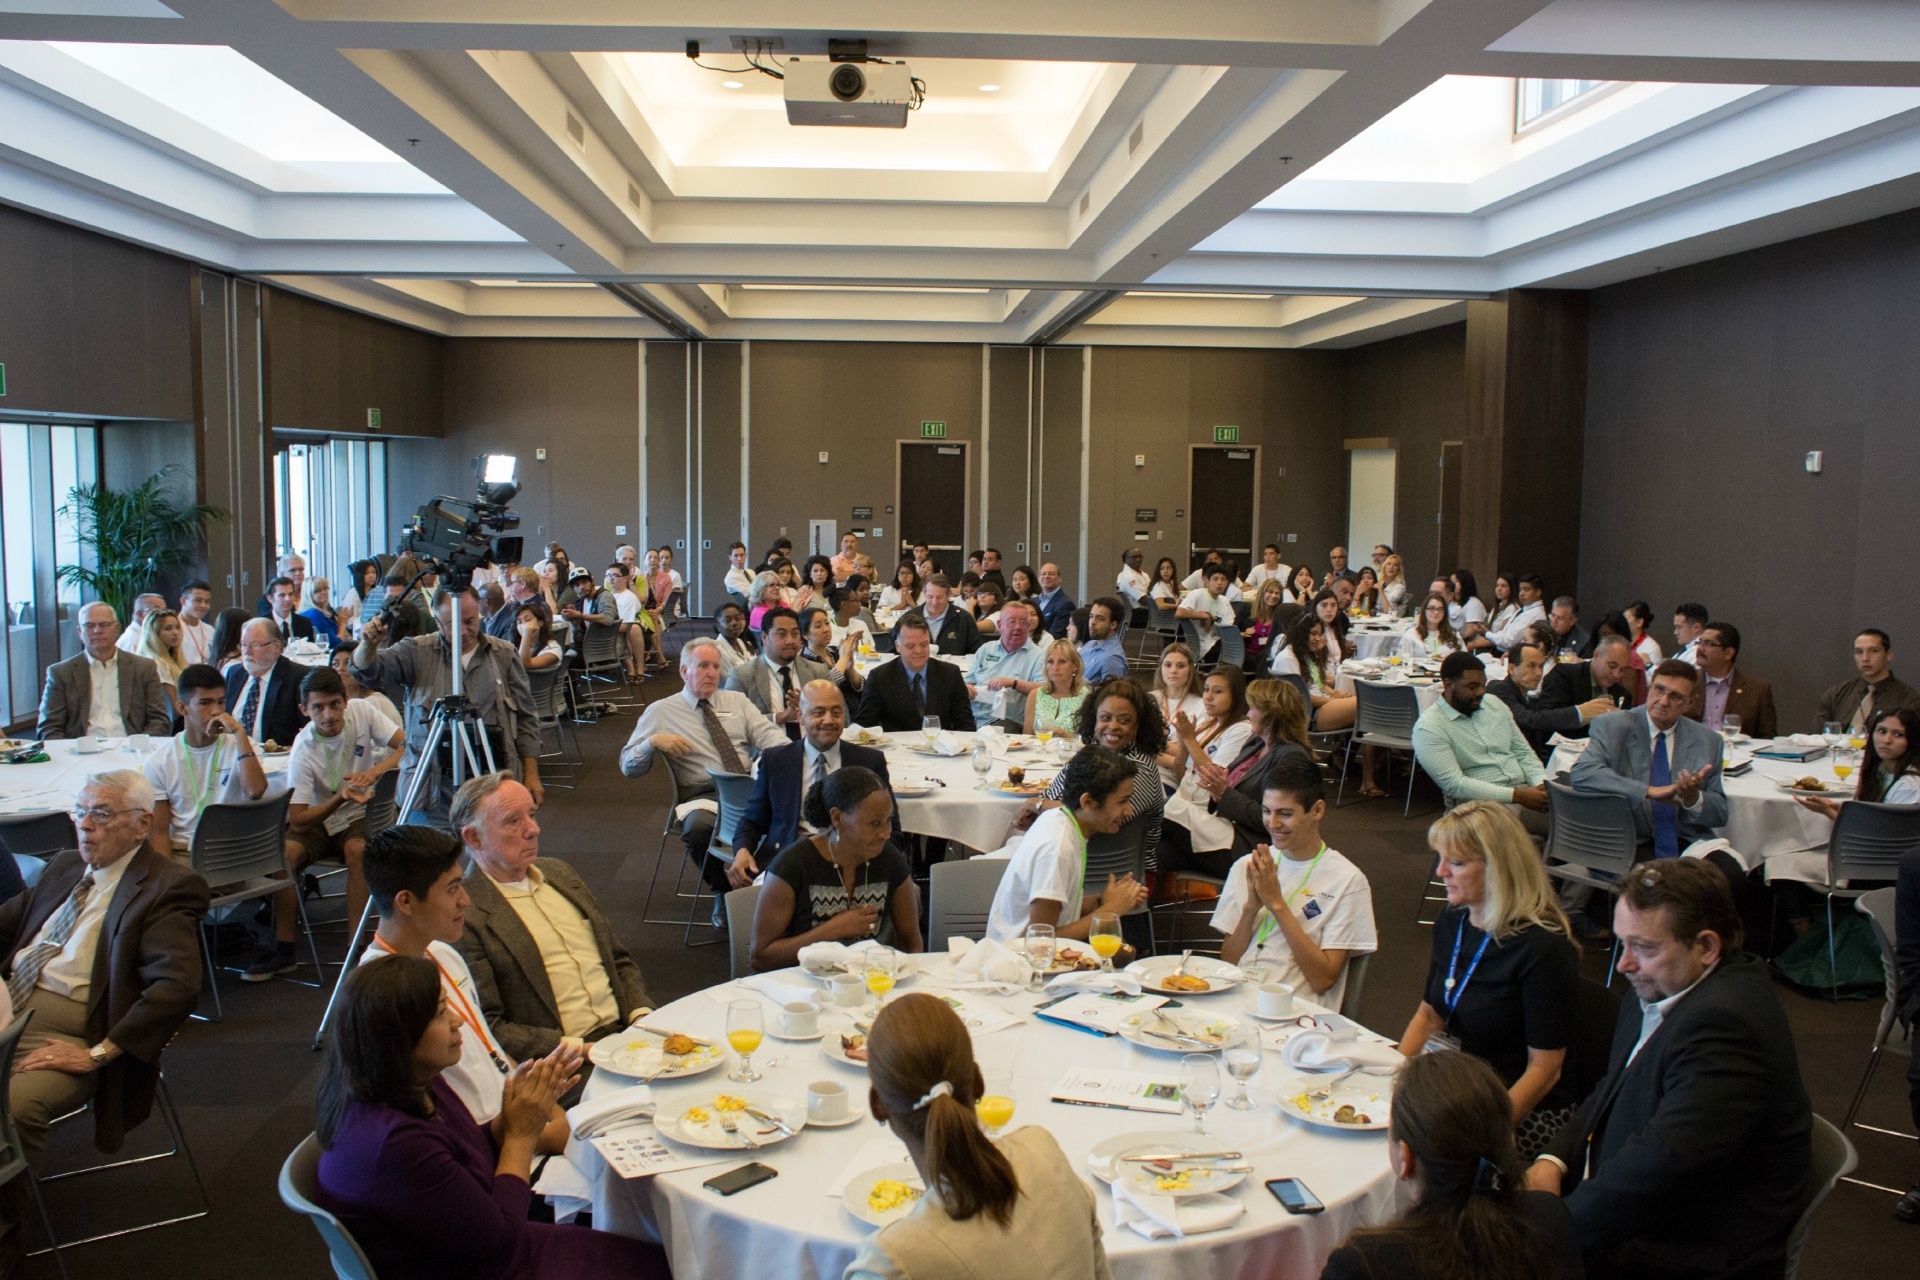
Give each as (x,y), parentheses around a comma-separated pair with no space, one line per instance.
(28,964)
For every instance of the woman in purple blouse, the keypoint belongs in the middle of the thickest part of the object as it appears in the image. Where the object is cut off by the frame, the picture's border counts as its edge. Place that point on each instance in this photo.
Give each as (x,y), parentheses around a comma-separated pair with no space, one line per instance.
(426,1191)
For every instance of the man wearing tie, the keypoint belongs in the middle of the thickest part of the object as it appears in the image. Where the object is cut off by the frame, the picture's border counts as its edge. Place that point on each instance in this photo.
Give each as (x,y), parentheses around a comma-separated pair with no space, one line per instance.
(901,694)
(263,689)
(953,630)
(788,773)
(772,681)
(283,597)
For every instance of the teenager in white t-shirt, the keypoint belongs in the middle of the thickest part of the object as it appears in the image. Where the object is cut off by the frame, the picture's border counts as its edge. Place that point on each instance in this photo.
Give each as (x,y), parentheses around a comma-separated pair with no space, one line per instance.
(212,761)
(413,874)
(1306,911)
(196,637)
(1045,879)
(1207,608)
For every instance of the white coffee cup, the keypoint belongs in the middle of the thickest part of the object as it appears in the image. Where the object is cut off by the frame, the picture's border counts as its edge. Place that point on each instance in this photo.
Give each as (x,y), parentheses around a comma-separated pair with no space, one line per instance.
(139,742)
(800,1018)
(827,1101)
(1274,1000)
(849,989)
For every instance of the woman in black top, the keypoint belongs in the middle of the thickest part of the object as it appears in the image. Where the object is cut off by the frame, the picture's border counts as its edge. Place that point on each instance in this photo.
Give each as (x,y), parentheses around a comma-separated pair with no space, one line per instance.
(1470,1219)
(845,884)
(1504,979)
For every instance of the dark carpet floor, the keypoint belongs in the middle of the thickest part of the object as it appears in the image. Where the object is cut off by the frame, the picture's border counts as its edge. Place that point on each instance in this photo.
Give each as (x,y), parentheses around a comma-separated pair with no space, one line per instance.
(244,1085)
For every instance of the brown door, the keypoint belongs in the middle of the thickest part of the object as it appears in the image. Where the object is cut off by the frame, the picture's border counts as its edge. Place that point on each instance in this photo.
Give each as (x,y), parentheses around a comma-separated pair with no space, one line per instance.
(932,502)
(1220,506)
(1448,534)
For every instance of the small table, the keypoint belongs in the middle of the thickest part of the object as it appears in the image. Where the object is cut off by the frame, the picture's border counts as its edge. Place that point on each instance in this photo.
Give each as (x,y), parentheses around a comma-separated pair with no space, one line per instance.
(51,787)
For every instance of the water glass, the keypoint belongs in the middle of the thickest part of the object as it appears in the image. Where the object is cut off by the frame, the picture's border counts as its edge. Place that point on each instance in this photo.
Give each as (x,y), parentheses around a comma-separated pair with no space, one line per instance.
(1730,727)
(930,728)
(1041,946)
(1199,1087)
(982,763)
(1242,1054)
(1833,730)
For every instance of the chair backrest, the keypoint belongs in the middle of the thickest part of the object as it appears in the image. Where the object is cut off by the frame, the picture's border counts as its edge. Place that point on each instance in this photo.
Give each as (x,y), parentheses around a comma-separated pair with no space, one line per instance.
(1877,907)
(960,898)
(675,607)
(13,1159)
(1190,633)
(39,834)
(1300,686)
(1116,855)
(1588,830)
(547,702)
(1833,1159)
(1233,646)
(735,794)
(30,868)
(299,1180)
(600,646)
(1357,967)
(1160,617)
(741,904)
(381,809)
(1868,839)
(1388,710)
(241,840)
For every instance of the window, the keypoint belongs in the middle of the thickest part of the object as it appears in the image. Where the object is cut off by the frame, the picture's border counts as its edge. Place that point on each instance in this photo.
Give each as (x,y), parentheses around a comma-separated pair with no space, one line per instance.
(1535,100)
(39,465)
(331,500)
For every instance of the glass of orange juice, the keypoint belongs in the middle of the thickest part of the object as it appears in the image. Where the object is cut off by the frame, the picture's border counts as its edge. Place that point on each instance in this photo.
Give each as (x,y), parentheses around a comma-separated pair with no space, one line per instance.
(882,969)
(1104,937)
(995,1107)
(746,1027)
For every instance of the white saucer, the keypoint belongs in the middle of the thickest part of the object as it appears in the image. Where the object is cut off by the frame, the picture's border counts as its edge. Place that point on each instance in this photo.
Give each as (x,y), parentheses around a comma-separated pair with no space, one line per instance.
(781,1035)
(1254,1013)
(857,1113)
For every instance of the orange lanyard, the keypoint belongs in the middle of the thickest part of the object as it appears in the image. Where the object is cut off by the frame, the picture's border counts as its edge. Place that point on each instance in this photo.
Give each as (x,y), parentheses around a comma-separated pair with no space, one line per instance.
(458,999)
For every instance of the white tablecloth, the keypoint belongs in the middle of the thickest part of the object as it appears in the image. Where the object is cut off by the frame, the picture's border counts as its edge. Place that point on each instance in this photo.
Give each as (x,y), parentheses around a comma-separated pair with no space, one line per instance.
(959,810)
(51,787)
(1371,643)
(789,1229)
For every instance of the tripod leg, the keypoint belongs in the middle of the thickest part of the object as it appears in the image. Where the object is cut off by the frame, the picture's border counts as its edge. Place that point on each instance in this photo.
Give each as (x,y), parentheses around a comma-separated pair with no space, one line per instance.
(436,729)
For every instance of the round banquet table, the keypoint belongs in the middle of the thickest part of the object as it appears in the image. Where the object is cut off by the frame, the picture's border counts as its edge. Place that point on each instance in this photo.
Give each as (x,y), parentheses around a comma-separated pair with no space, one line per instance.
(1378,642)
(956,809)
(790,1229)
(51,787)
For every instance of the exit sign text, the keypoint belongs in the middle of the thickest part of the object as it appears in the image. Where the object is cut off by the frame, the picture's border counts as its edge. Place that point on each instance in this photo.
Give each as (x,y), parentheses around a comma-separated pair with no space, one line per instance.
(1226,435)
(933,431)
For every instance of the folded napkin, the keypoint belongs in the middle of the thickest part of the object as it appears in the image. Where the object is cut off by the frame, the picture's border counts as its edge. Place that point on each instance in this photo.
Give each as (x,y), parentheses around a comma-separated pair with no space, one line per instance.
(622,1106)
(704,805)
(861,735)
(1803,740)
(947,744)
(565,1187)
(1159,1217)
(1320,1051)
(830,955)
(784,986)
(1096,981)
(989,964)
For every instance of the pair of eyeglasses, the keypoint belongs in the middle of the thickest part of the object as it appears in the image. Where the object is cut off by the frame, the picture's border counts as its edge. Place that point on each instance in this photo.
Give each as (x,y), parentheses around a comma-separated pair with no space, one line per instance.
(99,813)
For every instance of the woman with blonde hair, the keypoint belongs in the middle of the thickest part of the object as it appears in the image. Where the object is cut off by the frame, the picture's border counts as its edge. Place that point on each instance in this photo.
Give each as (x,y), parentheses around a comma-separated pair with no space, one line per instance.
(1432,636)
(1056,704)
(160,637)
(1263,622)
(1176,688)
(316,606)
(1393,587)
(1011,1206)
(1503,982)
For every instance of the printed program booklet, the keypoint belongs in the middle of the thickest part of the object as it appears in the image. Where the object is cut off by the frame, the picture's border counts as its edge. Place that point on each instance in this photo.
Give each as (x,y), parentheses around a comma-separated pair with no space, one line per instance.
(1123,1090)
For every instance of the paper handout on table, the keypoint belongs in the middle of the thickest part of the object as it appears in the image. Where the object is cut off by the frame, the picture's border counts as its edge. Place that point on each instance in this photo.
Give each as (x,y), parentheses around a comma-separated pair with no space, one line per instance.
(1124,1090)
(639,1153)
(1098,1013)
(982,1016)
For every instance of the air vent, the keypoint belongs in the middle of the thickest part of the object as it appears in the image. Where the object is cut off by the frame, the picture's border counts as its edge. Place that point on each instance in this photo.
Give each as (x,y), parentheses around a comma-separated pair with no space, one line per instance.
(1086,202)
(1135,138)
(576,131)
(633,195)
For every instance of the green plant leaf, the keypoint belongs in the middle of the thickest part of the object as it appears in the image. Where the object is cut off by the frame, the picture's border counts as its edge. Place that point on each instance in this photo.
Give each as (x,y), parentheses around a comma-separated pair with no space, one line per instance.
(138,536)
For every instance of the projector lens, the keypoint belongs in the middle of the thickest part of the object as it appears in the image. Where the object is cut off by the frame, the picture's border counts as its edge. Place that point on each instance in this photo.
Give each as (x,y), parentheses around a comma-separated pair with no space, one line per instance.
(847,82)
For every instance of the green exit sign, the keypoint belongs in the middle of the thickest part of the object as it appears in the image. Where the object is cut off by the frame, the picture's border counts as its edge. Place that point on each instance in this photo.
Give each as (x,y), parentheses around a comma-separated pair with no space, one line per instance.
(1226,435)
(933,431)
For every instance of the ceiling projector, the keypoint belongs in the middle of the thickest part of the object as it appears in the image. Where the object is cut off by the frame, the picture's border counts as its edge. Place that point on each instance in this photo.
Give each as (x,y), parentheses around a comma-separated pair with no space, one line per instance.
(865,95)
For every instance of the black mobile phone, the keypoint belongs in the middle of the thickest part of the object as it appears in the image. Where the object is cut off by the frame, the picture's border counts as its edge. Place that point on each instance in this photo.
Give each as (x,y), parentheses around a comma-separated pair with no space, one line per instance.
(1294,1196)
(733,1180)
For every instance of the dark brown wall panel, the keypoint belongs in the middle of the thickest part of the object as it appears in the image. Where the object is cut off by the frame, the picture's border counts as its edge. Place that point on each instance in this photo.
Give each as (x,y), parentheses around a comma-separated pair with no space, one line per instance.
(326,366)
(669,374)
(1015,374)
(718,492)
(1412,390)
(1057,481)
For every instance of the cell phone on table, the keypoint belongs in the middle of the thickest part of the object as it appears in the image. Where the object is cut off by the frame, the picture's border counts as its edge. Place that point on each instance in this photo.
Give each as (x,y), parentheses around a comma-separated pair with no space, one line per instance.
(736,1180)
(1294,1196)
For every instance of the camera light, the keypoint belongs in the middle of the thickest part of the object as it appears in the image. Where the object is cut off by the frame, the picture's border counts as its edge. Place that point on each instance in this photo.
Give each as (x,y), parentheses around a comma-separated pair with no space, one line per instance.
(499,468)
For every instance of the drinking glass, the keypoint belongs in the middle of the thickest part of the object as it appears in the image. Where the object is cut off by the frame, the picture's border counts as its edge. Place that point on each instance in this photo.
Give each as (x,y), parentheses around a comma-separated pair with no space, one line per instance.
(1832,730)
(1842,759)
(1730,727)
(1242,1053)
(1041,946)
(882,966)
(746,1027)
(930,729)
(1104,937)
(995,1107)
(982,764)
(1199,1086)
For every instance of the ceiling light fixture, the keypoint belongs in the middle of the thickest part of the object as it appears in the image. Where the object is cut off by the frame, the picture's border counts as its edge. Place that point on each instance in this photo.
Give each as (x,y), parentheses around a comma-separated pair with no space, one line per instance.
(989,88)
(732,84)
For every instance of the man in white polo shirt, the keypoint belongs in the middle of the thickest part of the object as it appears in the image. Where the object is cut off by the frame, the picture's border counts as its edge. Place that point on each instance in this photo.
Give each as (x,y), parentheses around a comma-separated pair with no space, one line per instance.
(196,636)
(212,761)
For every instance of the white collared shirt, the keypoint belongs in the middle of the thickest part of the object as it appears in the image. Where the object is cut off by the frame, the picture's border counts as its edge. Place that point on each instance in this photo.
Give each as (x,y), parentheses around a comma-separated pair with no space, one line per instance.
(810,770)
(196,641)
(70,973)
(103,717)
(257,730)
(1654,734)
(1515,631)
(1652,1015)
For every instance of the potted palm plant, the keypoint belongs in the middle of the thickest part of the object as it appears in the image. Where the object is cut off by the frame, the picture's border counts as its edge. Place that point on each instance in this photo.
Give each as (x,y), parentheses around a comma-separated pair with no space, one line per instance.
(138,536)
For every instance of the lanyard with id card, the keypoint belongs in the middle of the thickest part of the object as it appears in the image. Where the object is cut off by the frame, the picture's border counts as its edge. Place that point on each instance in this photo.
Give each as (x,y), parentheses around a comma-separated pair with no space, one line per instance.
(1454,988)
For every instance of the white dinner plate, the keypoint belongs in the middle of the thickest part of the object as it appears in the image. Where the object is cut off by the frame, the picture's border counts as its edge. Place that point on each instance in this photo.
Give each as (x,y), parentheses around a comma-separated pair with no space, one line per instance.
(915,786)
(1100,1160)
(861,1186)
(1154,968)
(832,1047)
(1200,1179)
(1136,1029)
(1030,788)
(1835,790)
(920,748)
(636,1052)
(1369,1095)
(697,1124)
(862,737)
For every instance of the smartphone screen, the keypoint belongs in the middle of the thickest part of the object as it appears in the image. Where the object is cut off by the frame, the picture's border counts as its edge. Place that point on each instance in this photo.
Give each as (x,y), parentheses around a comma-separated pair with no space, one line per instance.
(1294,1196)
(733,1180)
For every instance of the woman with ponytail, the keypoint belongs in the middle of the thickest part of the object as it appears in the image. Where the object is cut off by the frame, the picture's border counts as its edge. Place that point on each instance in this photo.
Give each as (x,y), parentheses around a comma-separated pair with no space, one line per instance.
(1011,1207)
(844,884)
(1451,1138)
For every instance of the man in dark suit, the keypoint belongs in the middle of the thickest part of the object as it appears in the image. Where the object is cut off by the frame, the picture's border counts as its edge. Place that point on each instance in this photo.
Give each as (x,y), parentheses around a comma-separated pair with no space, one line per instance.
(283,601)
(901,693)
(1692,1157)
(66,703)
(104,950)
(990,569)
(1586,685)
(953,630)
(1521,693)
(263,688)
(772,821)
(1056,606)
(1728,691)
(544,959)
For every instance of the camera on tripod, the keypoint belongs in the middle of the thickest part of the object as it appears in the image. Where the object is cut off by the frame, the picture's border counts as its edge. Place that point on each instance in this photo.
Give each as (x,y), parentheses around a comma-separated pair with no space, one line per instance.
(454,538)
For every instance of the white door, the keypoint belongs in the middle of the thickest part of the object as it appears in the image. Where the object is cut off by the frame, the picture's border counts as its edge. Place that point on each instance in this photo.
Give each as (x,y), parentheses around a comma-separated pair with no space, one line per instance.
(823,537)
(1370,485)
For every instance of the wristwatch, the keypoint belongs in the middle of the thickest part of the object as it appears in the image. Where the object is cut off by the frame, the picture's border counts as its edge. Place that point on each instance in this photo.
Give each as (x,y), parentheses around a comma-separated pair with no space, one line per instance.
(99,1055)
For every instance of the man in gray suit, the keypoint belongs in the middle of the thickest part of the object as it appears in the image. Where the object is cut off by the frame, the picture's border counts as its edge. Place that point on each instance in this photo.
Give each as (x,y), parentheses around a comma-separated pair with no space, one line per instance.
(545,963)
(102,690)
(772,682)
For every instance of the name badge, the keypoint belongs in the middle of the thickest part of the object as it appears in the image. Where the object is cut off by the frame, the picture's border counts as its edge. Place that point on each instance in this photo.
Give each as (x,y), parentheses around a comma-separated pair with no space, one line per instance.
(1311,910)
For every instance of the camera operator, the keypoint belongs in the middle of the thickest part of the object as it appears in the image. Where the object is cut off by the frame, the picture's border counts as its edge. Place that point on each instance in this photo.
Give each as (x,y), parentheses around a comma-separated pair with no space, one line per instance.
(418,670)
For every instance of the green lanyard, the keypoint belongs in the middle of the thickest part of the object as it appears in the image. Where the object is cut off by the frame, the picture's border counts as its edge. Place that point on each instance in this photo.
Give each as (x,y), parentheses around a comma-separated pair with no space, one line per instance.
(1073,824)
(1268,924)
(200,792)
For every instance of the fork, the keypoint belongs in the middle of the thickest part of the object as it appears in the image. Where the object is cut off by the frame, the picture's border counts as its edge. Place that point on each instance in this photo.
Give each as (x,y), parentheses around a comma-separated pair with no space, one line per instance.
(732,1126)
(1326,1090)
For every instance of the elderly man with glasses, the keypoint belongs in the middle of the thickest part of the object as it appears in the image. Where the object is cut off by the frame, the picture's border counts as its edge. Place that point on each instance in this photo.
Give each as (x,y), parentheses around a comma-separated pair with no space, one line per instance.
(102,690)
(103,952)
(263,688)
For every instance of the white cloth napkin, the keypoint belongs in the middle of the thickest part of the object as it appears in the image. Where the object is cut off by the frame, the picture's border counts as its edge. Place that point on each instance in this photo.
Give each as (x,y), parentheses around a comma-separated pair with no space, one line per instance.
(784,986)
(565,1187)
(825,955)
(622,1106)
(1803,740)
(989,965)
(1159,1217)
(680,811)
(862,735)
(1701,848)
(1318,1051)
(948,745)
(1095,981)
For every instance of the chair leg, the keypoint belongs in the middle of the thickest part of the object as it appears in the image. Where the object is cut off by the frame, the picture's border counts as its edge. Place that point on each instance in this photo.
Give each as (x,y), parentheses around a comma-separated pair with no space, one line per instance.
(46,1223)
(313,947)
(1345,764)
(1833,960)
(1413,771)
(1860,1094)
(163,1099)
(213,977)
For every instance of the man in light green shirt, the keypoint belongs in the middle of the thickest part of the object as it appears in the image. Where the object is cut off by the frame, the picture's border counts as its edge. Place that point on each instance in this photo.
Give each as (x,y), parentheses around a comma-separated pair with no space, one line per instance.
(1472,748)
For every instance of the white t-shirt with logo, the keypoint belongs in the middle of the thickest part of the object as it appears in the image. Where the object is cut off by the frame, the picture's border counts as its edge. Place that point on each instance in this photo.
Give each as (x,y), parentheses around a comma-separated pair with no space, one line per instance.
(1335,906)
(481,1073)
(1221,607)
(191,778)
(1048,863)
(628,604)
(318,765)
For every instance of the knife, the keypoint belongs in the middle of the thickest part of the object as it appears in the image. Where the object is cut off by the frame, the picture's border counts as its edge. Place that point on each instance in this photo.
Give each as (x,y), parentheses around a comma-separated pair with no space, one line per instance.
(786,1129)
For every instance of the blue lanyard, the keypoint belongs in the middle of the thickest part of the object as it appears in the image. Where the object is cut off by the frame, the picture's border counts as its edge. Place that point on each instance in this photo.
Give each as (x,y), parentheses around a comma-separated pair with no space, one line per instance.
(1450,997)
